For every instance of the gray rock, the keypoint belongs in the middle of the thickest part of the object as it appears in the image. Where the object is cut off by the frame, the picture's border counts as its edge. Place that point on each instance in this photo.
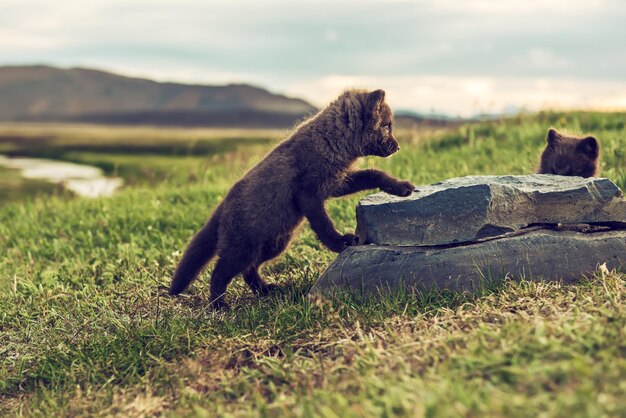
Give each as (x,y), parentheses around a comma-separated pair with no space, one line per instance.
(468,208)
(539,255)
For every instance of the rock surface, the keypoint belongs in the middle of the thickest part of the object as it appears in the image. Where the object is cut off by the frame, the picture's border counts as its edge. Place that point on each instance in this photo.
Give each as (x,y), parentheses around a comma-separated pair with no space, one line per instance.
(537,255)
(468,208)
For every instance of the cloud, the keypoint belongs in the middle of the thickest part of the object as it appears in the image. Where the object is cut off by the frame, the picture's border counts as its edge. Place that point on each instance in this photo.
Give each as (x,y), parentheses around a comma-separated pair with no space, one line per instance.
(330,35)
(541,59)
(532,7)
(467,96)
(433,48)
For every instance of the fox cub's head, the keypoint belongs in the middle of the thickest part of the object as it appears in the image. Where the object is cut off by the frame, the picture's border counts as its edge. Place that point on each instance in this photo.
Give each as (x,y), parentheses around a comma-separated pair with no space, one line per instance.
(570,156)
(368,121)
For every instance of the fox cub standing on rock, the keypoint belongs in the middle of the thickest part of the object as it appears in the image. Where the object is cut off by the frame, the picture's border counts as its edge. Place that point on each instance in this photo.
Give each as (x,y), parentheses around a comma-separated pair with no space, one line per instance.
(255,221)
(570,156)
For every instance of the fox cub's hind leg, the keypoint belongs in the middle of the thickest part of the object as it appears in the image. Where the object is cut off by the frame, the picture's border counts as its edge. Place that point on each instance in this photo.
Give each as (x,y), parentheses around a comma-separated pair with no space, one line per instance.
(271,249)
(256,282)
(227,267)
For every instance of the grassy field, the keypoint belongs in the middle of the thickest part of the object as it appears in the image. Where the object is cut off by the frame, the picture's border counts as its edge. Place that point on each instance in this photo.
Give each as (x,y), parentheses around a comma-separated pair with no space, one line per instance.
(86,327)
(141,155)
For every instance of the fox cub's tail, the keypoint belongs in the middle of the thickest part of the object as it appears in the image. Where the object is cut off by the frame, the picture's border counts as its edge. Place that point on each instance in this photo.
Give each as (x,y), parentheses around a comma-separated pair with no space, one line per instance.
(199,252)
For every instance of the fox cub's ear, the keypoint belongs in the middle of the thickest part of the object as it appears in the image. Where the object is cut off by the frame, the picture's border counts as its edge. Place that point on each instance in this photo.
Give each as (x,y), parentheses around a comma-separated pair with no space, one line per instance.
(590,147)
(375,99)
(553,137)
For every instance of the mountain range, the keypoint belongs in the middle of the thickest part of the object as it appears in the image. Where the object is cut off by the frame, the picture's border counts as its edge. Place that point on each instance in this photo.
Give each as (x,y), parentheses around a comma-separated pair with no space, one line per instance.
(45,94)
(41,93)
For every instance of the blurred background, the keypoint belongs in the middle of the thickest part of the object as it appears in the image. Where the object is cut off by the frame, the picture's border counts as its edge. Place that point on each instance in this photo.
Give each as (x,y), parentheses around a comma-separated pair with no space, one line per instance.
(265,65)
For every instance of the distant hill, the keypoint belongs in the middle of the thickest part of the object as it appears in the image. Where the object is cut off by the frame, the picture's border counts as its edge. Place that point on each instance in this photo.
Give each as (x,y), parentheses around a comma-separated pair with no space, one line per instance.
(43,93)
(409,119)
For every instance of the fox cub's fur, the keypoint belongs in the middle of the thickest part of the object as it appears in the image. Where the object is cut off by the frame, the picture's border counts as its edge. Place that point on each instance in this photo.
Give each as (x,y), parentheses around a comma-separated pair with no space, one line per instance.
(256,219)
(570,156)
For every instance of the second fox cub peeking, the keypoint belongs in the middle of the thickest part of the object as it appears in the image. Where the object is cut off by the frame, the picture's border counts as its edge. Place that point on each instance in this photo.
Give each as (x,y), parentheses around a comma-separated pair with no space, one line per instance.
(255,221)
(570,156)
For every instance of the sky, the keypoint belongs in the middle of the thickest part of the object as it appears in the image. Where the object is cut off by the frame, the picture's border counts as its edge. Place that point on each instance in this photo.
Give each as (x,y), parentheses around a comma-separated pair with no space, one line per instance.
(456,57)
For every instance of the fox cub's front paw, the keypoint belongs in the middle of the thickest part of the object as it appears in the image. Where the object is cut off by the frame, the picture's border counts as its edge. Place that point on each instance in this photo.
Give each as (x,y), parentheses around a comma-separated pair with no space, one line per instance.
(346,240)
(400,188)
(350,240)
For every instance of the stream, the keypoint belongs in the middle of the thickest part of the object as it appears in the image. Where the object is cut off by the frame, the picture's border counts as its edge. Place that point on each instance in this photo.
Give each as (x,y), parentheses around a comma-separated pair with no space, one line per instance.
(83,180)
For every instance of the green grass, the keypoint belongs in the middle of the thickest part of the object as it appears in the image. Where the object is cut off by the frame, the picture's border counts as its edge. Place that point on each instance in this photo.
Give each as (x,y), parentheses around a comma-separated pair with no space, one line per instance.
(86,327)
(15,188)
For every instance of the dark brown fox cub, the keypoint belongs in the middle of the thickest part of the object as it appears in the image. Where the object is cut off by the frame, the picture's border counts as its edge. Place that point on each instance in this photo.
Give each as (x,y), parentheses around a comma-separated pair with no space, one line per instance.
(256,219)
(570,156)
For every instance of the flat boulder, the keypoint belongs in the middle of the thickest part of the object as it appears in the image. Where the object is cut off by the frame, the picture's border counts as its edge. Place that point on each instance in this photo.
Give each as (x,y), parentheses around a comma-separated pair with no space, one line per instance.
(546,255)
(469,208)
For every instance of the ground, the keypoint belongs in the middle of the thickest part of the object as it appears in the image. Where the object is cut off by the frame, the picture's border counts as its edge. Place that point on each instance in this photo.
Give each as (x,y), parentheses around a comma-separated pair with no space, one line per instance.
(86,327)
